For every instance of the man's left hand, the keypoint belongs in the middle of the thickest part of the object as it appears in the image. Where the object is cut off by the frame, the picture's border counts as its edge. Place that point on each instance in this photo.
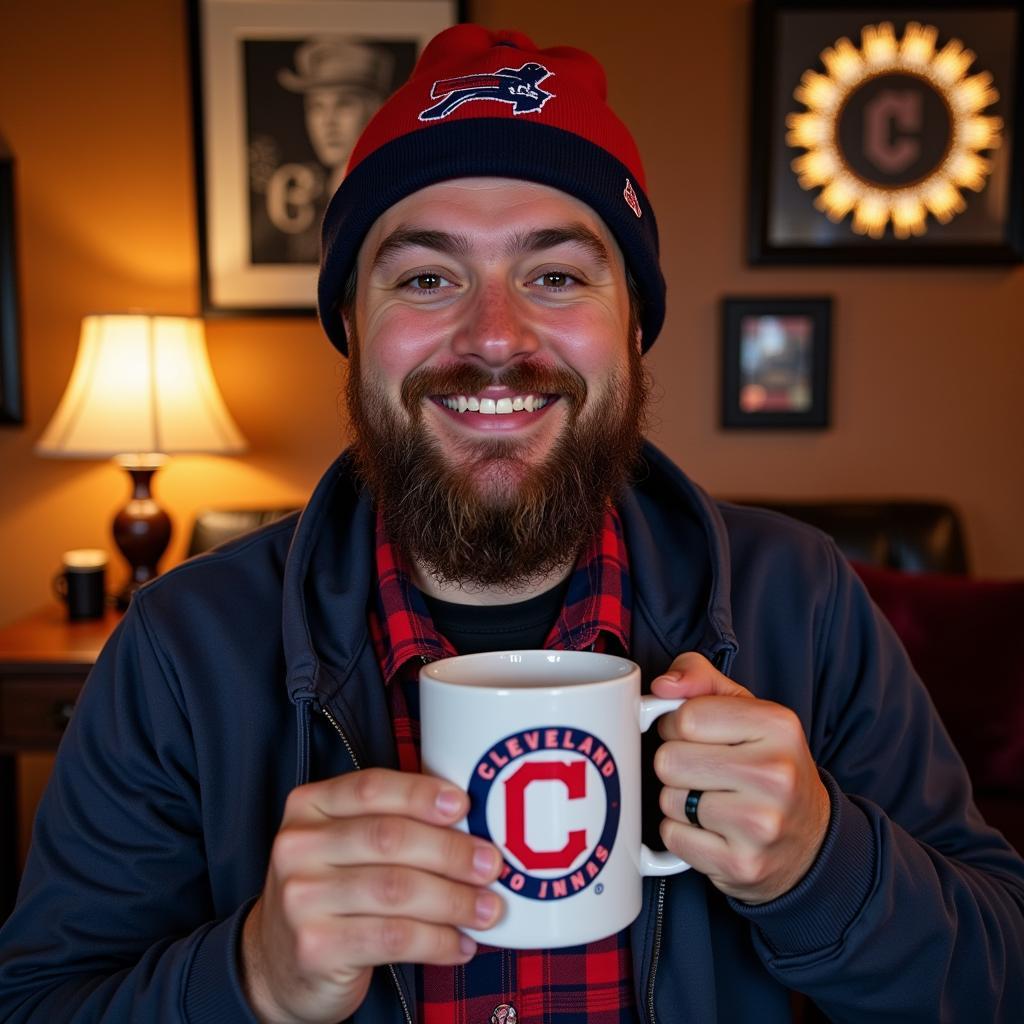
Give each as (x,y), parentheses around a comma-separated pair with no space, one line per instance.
(764,810)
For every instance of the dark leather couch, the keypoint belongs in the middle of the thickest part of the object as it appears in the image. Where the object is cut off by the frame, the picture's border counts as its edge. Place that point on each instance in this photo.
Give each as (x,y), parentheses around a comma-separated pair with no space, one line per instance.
(911,536)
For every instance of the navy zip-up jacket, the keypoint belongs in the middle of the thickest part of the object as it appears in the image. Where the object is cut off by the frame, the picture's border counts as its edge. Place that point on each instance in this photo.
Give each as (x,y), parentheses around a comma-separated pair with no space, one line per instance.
(216,696)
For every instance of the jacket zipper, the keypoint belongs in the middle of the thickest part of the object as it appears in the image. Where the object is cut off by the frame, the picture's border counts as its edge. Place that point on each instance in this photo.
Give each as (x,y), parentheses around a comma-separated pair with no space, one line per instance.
(659,913)
(355,762)
(344,739)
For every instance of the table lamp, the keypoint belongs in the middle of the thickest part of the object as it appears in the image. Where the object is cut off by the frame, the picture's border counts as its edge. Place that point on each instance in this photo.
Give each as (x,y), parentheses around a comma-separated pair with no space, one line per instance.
(141,389)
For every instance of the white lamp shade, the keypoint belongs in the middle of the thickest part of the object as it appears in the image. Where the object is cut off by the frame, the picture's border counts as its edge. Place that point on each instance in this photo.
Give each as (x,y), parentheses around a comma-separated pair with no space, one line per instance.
(140,384)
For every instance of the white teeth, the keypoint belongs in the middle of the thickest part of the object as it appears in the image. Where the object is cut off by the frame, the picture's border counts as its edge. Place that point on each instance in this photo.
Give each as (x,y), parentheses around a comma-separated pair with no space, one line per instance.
(492,406)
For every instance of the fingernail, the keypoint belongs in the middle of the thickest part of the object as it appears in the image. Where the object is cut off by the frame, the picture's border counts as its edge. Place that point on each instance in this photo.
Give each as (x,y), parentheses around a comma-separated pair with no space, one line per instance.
(485,861)
(486,907)
(466,945)
(448,802)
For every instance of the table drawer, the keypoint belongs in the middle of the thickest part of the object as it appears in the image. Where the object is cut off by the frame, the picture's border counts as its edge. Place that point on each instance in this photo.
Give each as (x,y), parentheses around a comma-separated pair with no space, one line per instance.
(34,710)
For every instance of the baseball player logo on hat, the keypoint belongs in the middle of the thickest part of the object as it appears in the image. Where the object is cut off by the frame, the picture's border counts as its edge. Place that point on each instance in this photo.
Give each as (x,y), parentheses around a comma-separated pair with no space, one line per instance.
(518,86)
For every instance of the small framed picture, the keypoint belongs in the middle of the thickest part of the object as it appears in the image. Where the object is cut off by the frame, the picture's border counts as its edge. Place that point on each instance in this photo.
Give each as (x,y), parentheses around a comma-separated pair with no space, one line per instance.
(281,91)
(887,133)
(775,363)
(10,345)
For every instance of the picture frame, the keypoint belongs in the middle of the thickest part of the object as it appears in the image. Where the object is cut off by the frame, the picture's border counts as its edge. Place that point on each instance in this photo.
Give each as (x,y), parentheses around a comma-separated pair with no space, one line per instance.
(281,89)
(887,134)
(11,411)
(776,355)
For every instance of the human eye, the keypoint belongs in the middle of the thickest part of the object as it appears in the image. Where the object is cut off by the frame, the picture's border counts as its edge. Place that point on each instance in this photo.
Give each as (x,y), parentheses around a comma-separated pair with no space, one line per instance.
(555,280)
(425,281)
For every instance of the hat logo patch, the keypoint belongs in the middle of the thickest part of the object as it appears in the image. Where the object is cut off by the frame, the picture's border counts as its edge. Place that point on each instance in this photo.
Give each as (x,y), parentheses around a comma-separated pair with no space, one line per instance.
(517,86)
(630,196)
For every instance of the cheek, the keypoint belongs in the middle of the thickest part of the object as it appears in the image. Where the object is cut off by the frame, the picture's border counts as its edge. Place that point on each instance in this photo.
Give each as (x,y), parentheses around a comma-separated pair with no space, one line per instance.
(397,342)
(592,345)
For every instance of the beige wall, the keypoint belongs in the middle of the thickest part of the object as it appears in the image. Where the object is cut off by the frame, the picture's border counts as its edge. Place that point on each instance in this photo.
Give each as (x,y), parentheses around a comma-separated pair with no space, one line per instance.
(94,100)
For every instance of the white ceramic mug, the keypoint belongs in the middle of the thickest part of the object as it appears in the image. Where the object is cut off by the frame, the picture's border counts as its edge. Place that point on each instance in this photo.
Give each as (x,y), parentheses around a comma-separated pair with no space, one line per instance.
(547,744)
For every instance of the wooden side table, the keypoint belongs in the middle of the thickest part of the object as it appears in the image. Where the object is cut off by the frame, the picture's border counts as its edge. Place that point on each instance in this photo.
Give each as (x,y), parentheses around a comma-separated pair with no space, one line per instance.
(44,660)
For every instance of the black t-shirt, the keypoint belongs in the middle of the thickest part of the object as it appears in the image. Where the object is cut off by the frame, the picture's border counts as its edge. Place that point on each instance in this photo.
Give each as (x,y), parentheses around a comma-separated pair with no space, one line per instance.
(524,625)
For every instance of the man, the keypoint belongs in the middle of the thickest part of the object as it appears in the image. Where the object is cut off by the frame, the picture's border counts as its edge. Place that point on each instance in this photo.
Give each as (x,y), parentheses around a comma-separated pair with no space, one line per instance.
(342,82)
(237,827)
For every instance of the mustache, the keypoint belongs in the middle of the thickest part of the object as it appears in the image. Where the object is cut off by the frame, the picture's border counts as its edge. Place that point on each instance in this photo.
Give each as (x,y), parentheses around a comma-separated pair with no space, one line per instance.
(466,379)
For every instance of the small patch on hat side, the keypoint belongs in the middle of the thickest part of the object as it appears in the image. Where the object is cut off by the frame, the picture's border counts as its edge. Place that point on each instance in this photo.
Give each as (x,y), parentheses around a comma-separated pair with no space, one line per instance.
(630,196)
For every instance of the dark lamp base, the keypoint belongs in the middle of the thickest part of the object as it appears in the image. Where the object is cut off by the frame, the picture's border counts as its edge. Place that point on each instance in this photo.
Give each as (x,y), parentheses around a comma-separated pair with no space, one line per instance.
(142,531)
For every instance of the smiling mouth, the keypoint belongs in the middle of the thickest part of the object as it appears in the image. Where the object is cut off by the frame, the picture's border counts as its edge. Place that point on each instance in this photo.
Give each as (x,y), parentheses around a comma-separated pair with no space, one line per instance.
(495,406)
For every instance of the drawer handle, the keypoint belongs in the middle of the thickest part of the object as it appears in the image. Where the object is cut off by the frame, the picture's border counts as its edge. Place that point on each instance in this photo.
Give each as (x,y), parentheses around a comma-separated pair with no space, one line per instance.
(62,712)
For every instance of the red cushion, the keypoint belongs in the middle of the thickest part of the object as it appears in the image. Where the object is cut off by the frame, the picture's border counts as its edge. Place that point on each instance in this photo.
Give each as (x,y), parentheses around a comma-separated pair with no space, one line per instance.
(964,638)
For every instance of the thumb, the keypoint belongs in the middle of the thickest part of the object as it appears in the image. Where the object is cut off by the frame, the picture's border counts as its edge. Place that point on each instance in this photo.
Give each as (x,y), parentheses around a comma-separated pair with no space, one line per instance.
(692,675)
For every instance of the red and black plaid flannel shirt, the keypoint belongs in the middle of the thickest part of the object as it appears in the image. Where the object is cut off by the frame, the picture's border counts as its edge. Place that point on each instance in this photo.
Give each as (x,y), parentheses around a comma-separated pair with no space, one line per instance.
(590,984)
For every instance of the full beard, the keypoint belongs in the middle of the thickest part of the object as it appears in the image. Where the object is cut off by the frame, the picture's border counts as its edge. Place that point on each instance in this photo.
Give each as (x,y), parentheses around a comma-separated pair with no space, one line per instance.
(494,520)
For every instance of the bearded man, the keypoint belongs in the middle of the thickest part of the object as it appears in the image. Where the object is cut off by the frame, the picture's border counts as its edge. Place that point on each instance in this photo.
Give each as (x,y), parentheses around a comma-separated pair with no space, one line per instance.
(238,828)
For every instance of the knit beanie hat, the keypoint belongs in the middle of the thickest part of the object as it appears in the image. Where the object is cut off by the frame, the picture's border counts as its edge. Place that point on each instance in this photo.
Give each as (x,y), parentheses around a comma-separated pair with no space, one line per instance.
(482,103)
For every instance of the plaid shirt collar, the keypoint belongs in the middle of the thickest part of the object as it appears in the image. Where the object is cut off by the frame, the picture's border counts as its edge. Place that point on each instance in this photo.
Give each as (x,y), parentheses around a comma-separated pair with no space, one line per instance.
(597,604)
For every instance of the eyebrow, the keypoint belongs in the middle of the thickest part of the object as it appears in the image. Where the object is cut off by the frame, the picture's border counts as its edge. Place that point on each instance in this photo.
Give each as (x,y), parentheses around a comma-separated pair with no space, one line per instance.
(411,238)
(548,238)
(515,244)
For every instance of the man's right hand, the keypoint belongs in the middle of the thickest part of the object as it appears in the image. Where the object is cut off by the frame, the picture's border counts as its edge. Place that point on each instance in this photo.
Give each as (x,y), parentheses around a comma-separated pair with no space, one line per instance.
(365,870)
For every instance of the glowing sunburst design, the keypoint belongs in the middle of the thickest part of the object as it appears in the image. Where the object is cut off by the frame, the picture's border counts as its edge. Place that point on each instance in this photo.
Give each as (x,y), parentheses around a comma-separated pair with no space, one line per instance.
(848,69)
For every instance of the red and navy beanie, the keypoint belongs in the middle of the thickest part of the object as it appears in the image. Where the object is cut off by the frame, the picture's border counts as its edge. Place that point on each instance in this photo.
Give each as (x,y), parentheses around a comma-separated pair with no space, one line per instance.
(484,103)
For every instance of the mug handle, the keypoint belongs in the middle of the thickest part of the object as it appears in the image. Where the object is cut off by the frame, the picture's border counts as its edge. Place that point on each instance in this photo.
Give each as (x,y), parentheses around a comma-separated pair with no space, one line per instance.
(657,863)
(60,587)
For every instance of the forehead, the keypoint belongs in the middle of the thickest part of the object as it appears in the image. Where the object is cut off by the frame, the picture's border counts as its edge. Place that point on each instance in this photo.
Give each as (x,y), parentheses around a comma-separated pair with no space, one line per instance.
(484,208)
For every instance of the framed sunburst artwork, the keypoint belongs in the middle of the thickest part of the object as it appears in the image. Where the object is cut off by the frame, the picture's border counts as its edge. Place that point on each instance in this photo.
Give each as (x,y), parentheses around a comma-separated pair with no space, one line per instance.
(887,133)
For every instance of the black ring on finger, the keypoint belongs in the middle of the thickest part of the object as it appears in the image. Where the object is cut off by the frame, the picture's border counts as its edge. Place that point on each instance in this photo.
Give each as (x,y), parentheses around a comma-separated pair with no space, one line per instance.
(690,807)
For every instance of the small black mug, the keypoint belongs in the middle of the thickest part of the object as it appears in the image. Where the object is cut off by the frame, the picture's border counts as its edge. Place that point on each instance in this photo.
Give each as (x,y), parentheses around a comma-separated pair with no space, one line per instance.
(81,583)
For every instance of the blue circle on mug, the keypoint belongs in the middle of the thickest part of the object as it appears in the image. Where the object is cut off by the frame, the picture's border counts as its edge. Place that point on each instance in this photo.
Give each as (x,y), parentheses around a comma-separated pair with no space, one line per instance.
(549,798)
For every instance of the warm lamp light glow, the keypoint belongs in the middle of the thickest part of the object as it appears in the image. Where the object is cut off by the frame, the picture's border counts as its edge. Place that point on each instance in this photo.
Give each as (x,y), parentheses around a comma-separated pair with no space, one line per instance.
(141,388)
(140,384)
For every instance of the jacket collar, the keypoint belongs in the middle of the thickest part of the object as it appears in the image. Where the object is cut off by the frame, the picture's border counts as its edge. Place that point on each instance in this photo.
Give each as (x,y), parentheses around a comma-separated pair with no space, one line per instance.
(327,579)
(684,601)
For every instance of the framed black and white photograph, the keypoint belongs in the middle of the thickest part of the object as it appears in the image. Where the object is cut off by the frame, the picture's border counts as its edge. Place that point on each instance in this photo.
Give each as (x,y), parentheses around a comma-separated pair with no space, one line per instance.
(775,363)
(10,344)
(887,133)
(282,89)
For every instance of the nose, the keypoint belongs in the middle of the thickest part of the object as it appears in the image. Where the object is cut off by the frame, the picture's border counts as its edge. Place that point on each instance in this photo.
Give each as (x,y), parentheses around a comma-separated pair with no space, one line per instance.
(495,331)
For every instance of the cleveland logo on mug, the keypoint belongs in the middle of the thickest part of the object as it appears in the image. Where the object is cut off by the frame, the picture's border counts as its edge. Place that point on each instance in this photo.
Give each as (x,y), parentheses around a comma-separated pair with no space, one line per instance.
(550,798)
